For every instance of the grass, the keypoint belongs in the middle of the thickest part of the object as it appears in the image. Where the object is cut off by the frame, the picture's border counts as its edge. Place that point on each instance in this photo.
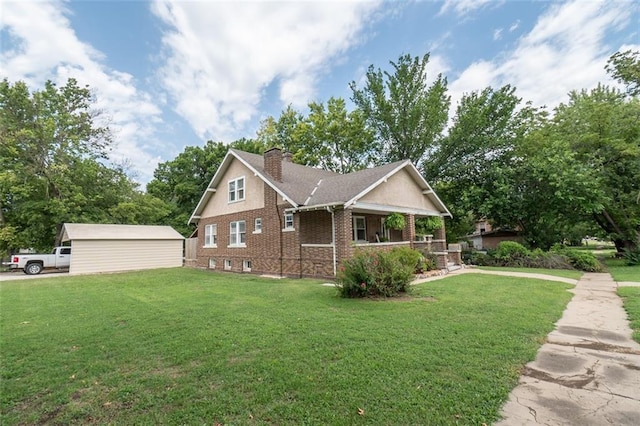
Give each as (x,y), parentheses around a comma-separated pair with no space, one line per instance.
(631,298)
(620,271)
(185,346)
(565,273)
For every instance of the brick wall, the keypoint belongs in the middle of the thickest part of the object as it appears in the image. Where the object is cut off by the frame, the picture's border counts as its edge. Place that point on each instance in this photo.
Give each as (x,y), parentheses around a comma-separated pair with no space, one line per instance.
(315,227)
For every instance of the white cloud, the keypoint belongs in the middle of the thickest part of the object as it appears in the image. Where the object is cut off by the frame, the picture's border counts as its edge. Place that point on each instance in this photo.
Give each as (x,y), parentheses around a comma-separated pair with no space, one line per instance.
(222,56)
(464,7)
(45,47)
(514,26)
(497,34)
(566,50)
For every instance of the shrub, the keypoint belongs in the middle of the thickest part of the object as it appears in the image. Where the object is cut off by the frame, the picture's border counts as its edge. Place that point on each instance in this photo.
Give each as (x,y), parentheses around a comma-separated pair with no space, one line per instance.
(581,260)
(632,257)
(375,273)
(512,254)
(407,256)
(429,262)
(510,250)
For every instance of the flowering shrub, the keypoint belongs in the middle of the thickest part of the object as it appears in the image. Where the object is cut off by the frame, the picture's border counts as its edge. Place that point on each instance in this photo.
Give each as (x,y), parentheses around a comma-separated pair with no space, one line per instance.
(374,273)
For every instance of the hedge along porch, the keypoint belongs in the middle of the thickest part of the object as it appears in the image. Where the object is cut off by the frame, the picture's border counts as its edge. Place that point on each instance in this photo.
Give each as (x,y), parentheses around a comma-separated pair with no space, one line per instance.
(99,248)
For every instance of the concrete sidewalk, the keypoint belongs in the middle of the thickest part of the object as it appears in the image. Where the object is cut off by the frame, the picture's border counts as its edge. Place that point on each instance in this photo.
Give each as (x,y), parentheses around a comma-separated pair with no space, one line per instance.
(588,372)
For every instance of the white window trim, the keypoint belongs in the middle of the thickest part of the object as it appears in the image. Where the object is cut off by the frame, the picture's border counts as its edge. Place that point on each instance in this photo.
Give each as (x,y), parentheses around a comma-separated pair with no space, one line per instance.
(238,244)
(212,263)
(215,235)
(289,228)
(235,192)
(246,265)
(255,228)
(355,231)
(386,232)
(227,265)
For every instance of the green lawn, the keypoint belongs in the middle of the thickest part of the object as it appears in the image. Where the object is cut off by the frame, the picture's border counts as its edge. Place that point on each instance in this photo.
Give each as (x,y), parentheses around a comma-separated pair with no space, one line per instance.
(564,273)
(185,346)
(620,271)
(631,298)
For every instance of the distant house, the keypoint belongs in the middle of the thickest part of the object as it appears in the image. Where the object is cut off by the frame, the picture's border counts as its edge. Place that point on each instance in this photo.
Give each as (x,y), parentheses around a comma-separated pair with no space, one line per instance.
(485,237)
(265,214)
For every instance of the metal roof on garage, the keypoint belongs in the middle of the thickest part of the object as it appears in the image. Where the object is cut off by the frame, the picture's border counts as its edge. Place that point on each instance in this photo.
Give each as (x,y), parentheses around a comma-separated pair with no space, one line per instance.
(91,231)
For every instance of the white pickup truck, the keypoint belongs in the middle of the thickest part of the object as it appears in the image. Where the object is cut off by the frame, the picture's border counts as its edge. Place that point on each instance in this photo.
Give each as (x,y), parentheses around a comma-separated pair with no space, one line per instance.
(33,264)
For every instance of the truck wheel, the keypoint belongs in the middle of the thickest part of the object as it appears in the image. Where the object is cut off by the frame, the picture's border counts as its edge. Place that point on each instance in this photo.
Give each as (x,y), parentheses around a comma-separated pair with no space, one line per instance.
(33,268)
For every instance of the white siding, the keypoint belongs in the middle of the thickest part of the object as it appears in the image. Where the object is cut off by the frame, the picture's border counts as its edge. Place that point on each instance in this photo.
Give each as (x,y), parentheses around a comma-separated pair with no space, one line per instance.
(92,256)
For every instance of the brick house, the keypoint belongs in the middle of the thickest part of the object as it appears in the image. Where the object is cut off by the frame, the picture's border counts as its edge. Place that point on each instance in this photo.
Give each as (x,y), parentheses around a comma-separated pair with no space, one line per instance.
(267,215)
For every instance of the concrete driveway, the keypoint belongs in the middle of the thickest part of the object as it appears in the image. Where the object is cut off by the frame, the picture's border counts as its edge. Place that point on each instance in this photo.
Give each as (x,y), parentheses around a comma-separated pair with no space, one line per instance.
(19,275)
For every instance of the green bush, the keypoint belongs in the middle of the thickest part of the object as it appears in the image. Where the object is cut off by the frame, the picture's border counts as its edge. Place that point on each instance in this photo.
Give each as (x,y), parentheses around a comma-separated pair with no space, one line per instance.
(632,257)
(510,250)
(581,260)
(375,273)
(512,254)
(429,262)
(407,256)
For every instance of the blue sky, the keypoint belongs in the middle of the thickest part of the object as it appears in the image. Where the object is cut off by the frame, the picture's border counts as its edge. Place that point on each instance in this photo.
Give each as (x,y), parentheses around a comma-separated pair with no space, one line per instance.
(168,74)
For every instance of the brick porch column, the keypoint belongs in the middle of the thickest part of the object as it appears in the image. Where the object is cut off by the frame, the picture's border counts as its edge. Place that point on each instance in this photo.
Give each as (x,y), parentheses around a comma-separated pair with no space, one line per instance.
(409,231)
(344,234)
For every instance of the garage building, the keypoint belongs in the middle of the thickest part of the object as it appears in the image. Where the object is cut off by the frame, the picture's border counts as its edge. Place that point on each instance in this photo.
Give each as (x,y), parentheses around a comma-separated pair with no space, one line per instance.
(109,248)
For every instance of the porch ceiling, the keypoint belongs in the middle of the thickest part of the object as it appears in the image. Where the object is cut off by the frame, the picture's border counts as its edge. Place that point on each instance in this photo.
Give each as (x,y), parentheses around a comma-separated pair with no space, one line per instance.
(367,208)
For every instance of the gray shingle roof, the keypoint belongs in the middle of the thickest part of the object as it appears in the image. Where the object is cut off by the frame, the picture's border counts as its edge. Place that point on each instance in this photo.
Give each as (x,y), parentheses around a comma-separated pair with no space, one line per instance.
(297,181)
(343,188)
(309,187)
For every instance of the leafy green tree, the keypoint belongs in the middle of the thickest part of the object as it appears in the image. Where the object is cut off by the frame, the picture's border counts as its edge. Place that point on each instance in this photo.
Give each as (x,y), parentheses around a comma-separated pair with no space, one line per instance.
(625,67)
(54,167)
(543,190)
(329,137)
(180,182)
(49,142)
(602,127)
(487,128)
(407,115)
(507,162)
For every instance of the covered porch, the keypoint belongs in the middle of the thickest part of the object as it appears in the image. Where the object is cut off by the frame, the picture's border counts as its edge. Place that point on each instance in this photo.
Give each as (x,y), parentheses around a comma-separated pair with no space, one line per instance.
(332,234)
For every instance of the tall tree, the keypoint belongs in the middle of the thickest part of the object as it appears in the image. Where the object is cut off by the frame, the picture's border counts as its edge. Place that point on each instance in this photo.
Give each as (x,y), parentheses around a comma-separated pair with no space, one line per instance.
(487,128)
(329,137)
(407,115)
(54,167)
(180,182)
(602,126)
(48,143)
(625,67)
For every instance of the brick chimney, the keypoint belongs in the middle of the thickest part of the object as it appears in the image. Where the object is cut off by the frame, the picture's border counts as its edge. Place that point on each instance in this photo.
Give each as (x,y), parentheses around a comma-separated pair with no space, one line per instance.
(273,163)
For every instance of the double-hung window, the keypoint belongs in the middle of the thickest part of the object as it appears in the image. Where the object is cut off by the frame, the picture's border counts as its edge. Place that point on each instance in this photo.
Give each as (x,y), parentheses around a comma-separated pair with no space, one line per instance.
(236,190)
(359,228)
(210,235)
(237,233)
(288,221)
(257,225)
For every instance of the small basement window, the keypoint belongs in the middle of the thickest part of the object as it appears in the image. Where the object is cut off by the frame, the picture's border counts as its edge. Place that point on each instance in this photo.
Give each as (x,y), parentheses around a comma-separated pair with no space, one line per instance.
(227,264)
(246,265)
(212,263)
